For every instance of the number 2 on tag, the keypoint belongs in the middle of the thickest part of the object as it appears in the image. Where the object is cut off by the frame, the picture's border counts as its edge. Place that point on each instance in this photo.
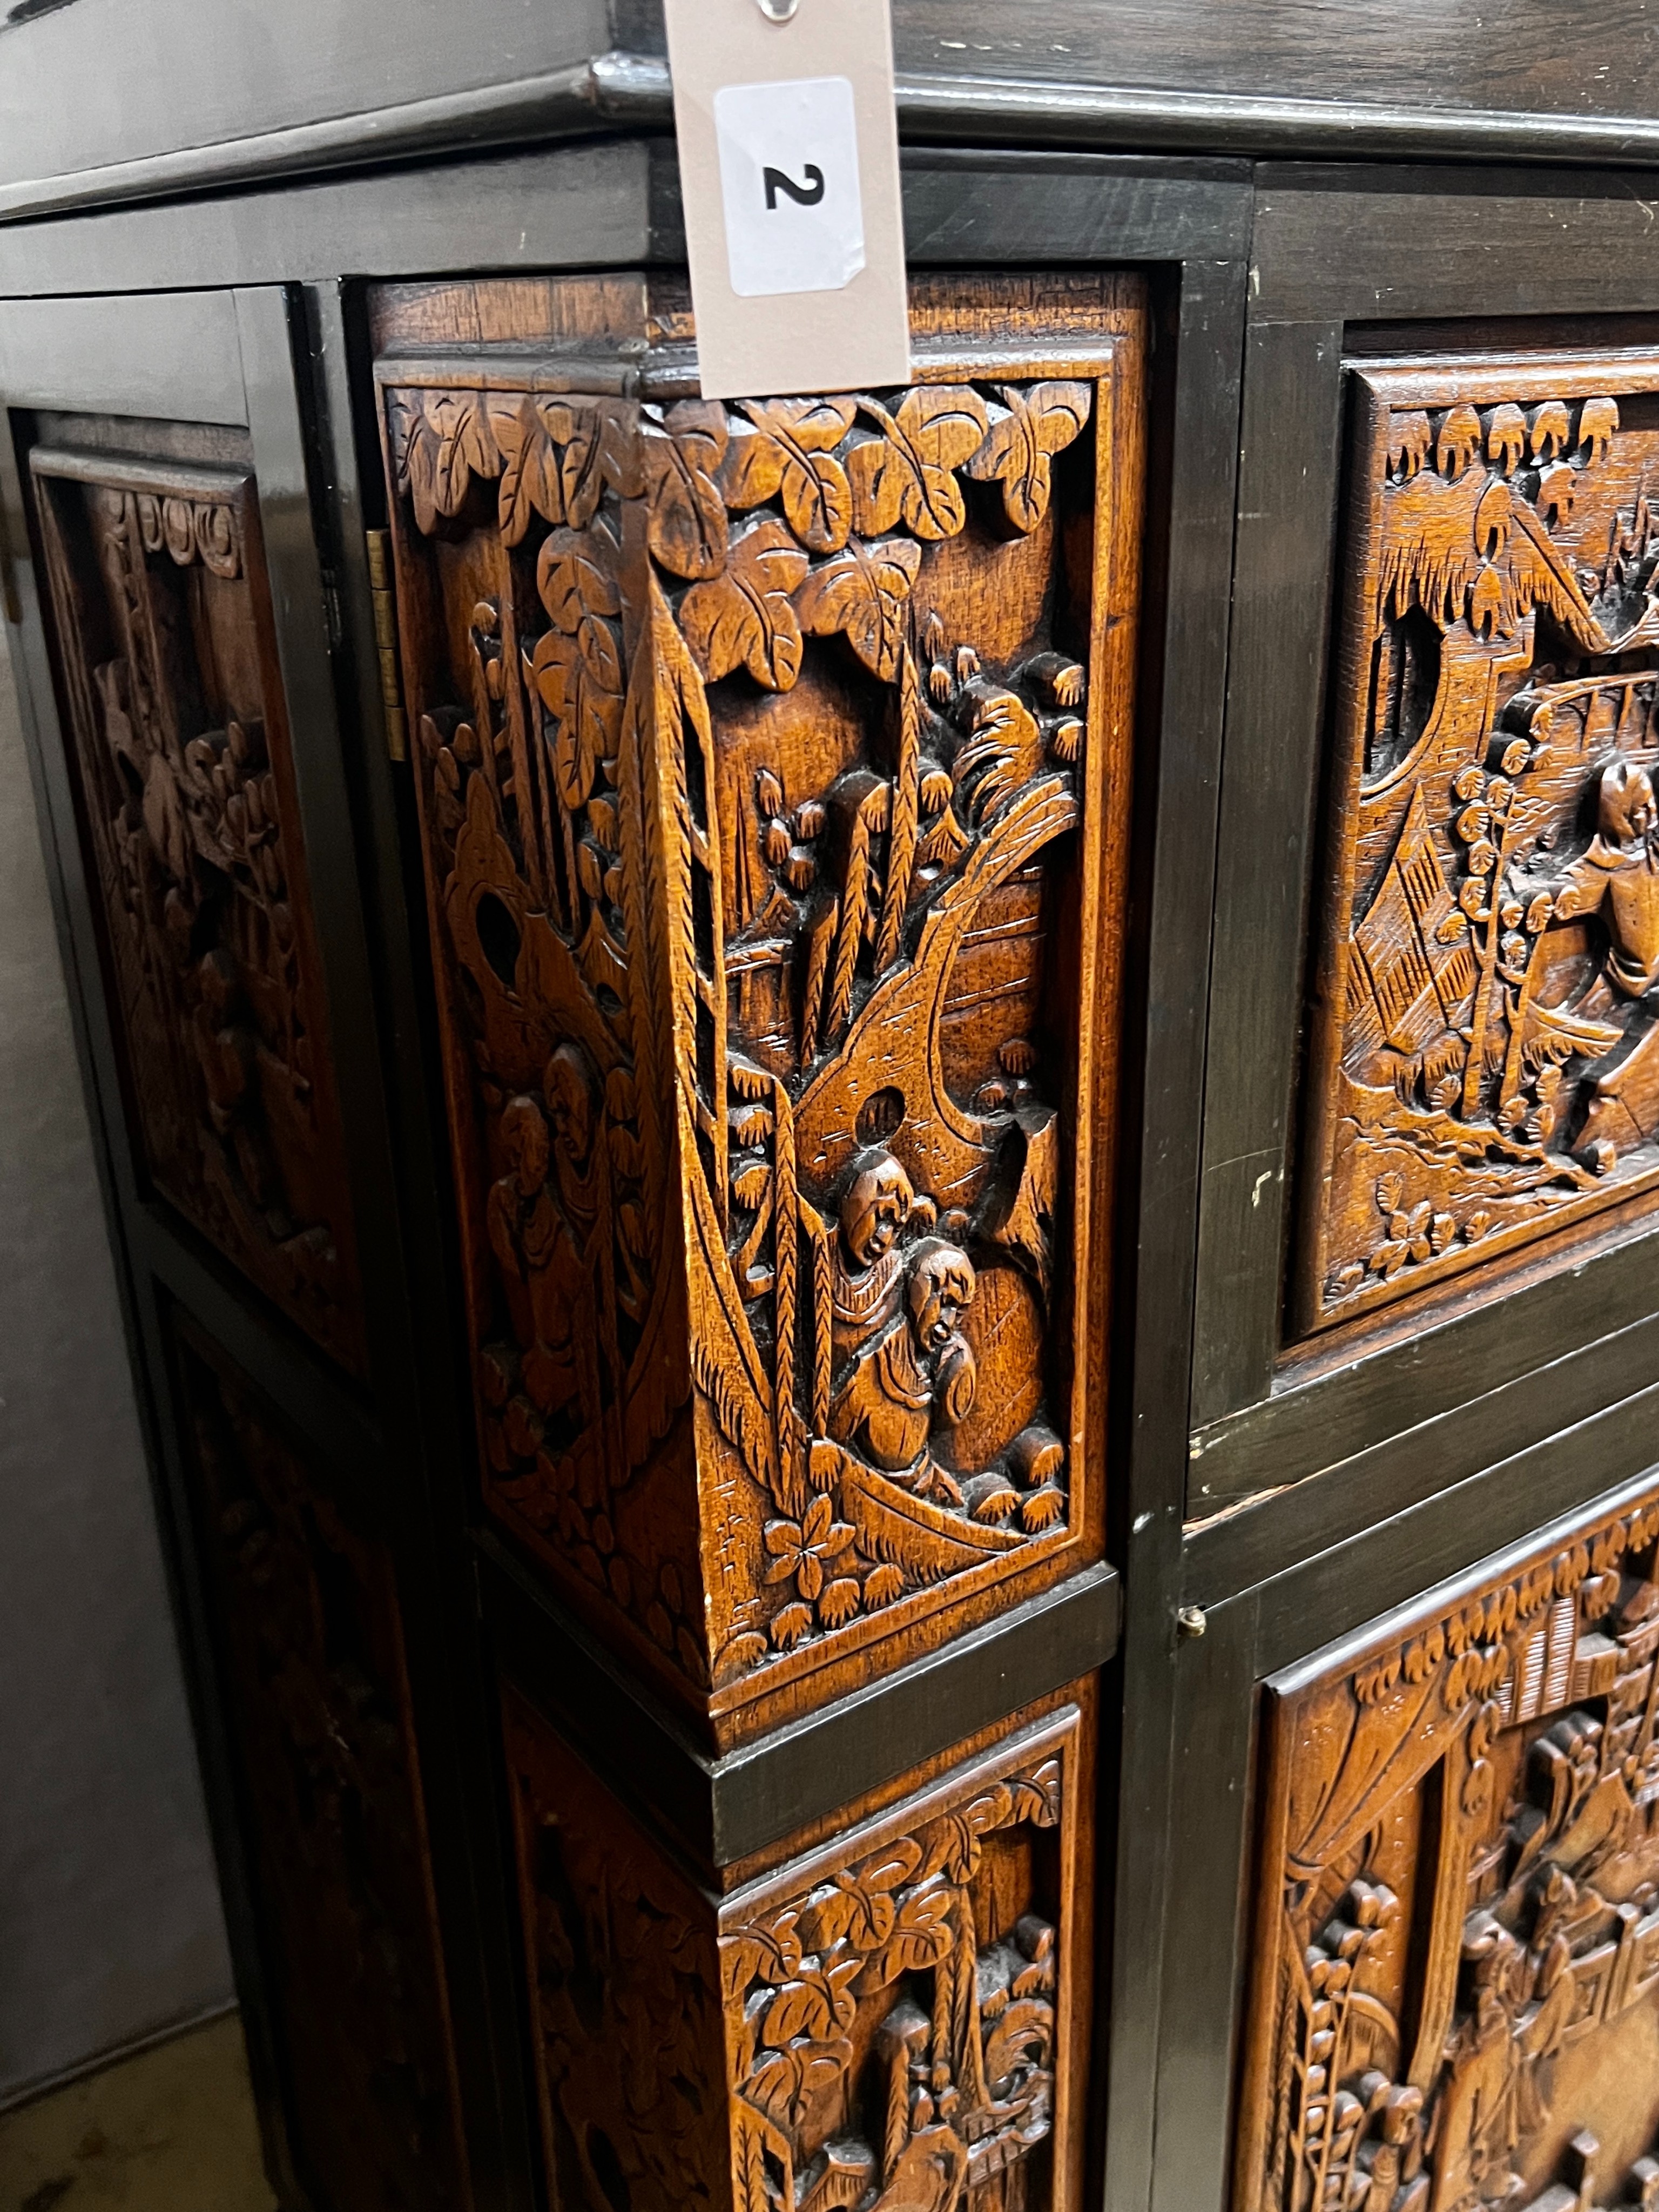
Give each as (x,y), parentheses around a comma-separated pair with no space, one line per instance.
(789,182)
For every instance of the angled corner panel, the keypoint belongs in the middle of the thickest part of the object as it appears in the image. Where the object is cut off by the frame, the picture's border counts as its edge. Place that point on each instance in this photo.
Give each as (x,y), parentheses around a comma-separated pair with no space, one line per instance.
(773,765)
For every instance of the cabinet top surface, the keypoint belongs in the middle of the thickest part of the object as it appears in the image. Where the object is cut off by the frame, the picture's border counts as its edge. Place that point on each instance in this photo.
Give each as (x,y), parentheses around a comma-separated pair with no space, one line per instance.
(317,81)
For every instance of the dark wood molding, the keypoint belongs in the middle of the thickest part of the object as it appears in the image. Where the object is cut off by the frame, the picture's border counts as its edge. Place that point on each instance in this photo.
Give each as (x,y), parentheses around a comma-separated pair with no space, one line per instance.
(624,91)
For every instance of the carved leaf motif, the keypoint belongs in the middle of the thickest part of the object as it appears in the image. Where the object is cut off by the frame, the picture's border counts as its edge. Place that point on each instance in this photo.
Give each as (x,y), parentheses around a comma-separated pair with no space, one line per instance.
(862,594)
(1036,1796)
(581,470)
(1039,423)
(784,2084)
(451,444)
(922,1935)
(745,619)
(530,481)
(817,2005)
(686,525)
(859,1909)
(908,475)
(954,1844)
(785,450)
(580,681)
(575,576)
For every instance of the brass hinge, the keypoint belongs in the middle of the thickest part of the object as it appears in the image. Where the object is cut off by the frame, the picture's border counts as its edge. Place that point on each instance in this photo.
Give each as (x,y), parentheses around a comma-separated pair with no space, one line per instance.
(379,543)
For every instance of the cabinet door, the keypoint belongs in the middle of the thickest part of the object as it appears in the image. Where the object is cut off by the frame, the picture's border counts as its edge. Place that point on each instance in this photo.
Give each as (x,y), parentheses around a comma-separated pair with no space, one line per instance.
(172,643)
(1456,1971)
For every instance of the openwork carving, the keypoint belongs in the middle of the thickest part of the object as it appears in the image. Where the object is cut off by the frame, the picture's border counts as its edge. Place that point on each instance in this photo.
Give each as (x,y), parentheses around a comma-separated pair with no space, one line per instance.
(896,2015)
(311,1642)
(1484,1061)
(1456,1998)
(762,776)
(174,704)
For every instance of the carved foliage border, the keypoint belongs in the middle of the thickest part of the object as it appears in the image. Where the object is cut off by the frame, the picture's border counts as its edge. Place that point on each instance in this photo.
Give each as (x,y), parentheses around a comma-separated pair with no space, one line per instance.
(755,593)
(835,2033)
(972,2068)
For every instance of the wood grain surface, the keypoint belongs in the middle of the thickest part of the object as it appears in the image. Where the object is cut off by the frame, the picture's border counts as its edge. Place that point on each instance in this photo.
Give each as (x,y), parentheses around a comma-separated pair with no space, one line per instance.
(773,764)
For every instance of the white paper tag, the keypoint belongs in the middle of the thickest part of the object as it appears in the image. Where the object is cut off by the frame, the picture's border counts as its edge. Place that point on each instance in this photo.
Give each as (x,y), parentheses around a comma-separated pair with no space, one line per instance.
(789,178)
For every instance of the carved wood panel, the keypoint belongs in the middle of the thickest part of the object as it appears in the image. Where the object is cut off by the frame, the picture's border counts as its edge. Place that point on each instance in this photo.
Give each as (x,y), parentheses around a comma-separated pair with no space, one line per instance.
(317,1704)
(1456,1999)
(894,2021)
(772,762)
(1483,1069)
(185,781)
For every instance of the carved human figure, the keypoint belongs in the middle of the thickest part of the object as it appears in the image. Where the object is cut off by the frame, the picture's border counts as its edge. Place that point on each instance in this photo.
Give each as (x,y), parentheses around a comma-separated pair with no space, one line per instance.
(1393,2157)
(541,1253)
(1618,877)
(1495,2097)
(920,1371)
(875,1210)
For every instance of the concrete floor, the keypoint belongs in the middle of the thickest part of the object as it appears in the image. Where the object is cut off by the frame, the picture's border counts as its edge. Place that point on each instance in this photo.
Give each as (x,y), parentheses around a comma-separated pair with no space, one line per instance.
(171,2130)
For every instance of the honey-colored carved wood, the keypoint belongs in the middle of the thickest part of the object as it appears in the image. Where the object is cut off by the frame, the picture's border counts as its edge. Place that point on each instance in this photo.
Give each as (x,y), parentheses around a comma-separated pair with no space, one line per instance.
(1455,1995)
(166,663)
(893,2019)
(773,761)
(310,1638)
(1483,1066)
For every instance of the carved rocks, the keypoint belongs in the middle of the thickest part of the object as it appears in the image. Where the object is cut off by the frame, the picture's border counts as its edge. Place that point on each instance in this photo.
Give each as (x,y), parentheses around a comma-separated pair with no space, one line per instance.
(765,764)
(173,698)
(1457,1993)
(892,2022)
(312,1646)
(1483,1061)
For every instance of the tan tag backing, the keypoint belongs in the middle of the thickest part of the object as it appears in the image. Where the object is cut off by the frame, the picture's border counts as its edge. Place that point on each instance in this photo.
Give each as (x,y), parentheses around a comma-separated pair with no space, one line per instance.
(788,148)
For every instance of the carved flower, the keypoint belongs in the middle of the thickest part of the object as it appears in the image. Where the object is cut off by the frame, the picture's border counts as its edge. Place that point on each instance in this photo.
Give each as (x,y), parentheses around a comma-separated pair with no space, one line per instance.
(803,1550)
(883,1584)
(1407,1239)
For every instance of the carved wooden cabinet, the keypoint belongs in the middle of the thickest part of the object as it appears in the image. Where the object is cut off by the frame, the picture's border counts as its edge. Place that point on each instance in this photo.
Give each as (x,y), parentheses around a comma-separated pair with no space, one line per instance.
(884,1162)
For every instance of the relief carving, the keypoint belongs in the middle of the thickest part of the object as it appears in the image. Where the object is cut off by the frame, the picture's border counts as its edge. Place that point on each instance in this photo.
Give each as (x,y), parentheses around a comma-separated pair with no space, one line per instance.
(895,2015)
(896,2025)
(181,763)
(1484,1062)
(1456,1997)
(753,806)
(312,1643)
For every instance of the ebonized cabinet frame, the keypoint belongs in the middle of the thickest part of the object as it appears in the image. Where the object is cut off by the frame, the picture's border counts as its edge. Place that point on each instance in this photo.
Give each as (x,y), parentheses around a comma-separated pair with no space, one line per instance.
(1185,222)
(1337,253)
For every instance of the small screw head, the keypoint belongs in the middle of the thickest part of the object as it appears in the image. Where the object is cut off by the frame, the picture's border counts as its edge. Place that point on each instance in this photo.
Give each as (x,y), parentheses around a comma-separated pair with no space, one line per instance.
(1190,1621)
